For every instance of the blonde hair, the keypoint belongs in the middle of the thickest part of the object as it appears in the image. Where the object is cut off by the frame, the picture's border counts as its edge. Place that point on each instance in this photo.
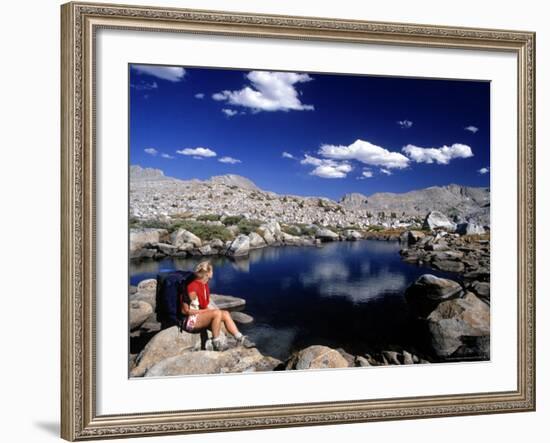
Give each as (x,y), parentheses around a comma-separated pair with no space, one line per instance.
(203,269)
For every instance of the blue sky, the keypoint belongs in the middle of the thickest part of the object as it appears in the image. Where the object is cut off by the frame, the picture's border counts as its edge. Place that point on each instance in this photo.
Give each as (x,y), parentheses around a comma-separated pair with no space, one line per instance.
(310,133)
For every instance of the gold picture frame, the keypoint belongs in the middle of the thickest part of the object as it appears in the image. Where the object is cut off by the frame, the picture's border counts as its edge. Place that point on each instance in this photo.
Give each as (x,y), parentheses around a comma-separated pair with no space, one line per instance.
(79,22)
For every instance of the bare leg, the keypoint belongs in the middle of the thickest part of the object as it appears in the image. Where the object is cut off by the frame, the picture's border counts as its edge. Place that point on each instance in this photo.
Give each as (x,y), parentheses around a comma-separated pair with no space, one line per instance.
(211,320)
(229,323)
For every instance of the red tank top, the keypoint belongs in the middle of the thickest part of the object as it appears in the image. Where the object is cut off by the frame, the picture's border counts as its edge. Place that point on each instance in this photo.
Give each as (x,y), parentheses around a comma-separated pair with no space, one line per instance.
(202,290)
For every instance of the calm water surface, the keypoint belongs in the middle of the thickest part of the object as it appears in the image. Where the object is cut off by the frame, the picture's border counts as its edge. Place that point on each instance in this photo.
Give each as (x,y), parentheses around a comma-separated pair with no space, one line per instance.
(343,294)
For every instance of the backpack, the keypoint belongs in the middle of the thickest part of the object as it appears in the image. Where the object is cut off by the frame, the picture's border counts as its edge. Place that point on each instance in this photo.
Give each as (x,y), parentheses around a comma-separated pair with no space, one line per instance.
(171,294)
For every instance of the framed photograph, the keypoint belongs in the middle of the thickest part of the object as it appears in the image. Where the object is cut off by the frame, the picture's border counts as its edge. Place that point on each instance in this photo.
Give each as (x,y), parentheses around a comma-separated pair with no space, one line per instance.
(277,221)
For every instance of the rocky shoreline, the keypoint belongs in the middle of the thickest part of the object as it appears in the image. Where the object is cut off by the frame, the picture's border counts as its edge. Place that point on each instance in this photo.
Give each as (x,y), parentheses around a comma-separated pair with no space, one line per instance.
(235,241)
(174,352)
(455,320)
(452,315)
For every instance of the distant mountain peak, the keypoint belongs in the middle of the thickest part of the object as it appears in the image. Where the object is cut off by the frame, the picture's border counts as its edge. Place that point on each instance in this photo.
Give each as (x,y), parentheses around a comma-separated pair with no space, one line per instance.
(139,173)
(235,180)
(460,202)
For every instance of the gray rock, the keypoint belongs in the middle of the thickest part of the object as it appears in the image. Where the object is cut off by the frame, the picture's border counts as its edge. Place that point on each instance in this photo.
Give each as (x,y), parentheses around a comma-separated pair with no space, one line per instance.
(437,220)
(473,347)
(414,237)
(180,237)
(227,301)
(268,237)
(481,289)
(139,312)
(372,361)
(146,236)
(150,326)
(167,343)
(143,253)
(428,291)
(271,232)
(448,265)
(481,274)
(352,235)
(408,358)
(256,240)
(412,258)
(186,247)
(217,244)
(434,288)
(469,229)
(291,239)
(166,249)
(413,255)
(325,234)
(309,241)
(240,246)
(146,296)
(317,357)
(448,255)
(132,361)
(234,230)
(234,360)
(206,250)
(440,246)
(274,227)
(349,357)
(361,361)
(453,322)
(392,357)
(241,317)
(149,284)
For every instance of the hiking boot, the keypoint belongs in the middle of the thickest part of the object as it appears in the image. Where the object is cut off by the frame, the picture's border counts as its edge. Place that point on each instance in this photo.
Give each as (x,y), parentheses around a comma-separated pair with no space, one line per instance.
(219,345)
(246,342)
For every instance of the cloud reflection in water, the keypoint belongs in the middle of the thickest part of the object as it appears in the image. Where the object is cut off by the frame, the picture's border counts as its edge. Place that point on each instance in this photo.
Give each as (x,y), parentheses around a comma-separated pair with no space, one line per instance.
(336,279)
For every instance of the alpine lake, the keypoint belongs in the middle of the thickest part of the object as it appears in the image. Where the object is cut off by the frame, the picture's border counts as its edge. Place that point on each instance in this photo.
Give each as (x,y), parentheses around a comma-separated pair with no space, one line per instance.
(347,295)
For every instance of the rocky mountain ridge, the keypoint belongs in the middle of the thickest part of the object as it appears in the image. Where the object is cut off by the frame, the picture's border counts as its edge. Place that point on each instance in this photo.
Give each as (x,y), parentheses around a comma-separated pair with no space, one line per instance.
(453,200)
(154,195)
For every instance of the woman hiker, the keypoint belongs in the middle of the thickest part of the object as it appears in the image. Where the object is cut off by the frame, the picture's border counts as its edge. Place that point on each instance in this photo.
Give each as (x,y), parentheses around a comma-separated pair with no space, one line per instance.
(198,314)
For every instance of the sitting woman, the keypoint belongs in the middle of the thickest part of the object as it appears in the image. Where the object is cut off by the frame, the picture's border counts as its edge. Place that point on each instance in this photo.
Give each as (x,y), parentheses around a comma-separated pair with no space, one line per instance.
(199,314)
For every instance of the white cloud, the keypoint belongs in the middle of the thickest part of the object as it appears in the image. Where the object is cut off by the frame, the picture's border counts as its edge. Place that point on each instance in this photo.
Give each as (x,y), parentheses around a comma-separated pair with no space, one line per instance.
(326,168)
(197,152)
(170,73)
(366,153)
(167,156)
(287,155)
(270,91)
(472,129)
(385,171)
(151,151)
(144,86)
(483,171)
(230,160)
(405,123)
(332,171)
(200,95)
(229,112)
(367,173)
(441,155)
